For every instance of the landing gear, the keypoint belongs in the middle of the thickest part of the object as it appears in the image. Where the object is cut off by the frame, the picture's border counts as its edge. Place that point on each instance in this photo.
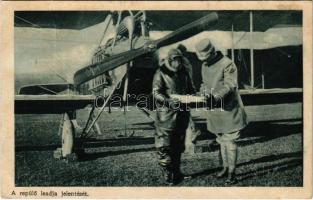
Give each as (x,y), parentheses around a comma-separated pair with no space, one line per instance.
(72,145)
(67,132)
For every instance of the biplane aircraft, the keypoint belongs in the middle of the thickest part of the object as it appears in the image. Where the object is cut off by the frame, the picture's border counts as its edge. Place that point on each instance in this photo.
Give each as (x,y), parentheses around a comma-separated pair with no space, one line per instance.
(126,61)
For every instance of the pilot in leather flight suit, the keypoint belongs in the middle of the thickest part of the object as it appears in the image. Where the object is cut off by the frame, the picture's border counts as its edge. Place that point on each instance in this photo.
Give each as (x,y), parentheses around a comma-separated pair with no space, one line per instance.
(172,118)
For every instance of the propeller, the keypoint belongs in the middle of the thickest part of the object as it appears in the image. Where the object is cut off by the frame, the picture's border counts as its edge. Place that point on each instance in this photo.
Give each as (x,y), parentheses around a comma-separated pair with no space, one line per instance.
(112,62)
(188,30)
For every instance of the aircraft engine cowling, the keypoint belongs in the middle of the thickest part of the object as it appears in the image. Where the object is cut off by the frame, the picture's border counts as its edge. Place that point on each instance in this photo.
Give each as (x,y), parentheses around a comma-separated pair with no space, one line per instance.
(127,26)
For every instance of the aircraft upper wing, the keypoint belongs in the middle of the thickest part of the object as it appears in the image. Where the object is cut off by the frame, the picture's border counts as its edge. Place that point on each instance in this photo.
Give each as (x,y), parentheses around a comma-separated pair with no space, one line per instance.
(170,19)
(50,104)
(262,20)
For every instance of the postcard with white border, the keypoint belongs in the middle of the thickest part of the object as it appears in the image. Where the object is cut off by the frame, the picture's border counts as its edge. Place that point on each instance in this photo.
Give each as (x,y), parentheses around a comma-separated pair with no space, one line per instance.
(156,99)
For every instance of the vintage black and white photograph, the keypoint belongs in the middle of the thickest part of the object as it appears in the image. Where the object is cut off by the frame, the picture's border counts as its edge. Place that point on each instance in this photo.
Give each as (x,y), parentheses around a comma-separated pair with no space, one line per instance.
(156,101)
(158,98)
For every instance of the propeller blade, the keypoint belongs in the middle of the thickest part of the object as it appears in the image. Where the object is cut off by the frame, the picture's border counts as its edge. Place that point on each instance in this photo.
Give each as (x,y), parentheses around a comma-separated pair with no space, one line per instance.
(112,62)
(188,30)
(91,71)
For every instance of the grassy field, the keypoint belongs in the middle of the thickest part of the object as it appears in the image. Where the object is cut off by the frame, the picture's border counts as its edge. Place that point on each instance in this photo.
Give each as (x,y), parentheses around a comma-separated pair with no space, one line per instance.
(270,154)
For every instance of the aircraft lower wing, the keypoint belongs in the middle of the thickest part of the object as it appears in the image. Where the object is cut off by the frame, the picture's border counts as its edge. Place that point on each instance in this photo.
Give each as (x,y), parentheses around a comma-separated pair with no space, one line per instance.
(271,96)
(54,104)
(58,98)
(50,104)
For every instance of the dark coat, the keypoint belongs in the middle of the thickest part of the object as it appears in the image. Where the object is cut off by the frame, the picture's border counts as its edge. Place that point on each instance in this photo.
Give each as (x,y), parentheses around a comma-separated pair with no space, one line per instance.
(170,123)
(166,82)
(219,78)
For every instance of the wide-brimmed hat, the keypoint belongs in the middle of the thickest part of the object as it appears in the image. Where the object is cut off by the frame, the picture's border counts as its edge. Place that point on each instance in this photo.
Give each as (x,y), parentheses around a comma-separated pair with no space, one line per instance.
(204,48)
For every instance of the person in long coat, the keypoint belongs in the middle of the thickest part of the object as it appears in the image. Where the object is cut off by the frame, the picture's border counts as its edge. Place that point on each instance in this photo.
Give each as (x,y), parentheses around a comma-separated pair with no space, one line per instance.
(172,119)
(227,116)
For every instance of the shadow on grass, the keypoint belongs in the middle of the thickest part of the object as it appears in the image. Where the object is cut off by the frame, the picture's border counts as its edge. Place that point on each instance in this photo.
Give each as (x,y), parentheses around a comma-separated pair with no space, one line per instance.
(49,147)
(117,131)
(290,164)
(93,143)
(127,141)
(258,132)
(274,157)
(266,131)
(296,160)
(93,156)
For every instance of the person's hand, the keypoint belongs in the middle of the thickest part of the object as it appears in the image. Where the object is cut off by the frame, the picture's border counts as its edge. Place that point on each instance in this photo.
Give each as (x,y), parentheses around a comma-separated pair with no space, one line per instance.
(173,103)
(209,97)
(217,98)
(213,100)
